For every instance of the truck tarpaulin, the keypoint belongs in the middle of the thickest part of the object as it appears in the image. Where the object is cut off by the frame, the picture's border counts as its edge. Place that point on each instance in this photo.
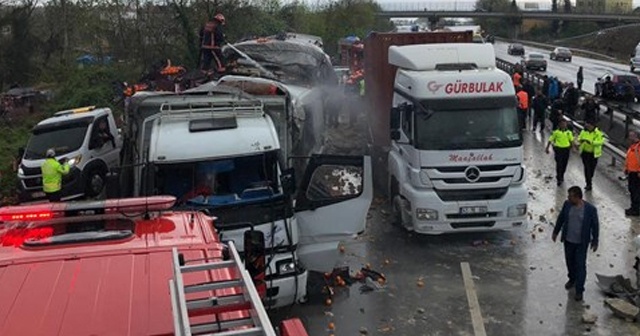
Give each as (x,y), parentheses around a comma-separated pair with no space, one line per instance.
(379,79)
(294,62)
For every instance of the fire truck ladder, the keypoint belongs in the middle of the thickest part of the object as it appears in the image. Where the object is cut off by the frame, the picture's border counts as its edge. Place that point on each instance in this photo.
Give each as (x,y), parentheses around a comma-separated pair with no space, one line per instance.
(257,324)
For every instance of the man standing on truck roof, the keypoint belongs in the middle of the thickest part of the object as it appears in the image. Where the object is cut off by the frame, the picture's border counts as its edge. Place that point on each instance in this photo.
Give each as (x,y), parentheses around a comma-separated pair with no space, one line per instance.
(211,41)
(52,172)
(561,139)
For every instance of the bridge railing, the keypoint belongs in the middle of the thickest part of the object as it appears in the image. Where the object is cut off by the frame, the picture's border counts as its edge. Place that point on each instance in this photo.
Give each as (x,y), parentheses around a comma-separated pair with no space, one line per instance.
(463,5)
(615,148)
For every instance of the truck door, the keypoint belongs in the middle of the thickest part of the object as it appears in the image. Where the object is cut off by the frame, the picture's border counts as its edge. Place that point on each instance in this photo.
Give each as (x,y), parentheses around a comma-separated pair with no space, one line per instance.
(104,143)
(331,205)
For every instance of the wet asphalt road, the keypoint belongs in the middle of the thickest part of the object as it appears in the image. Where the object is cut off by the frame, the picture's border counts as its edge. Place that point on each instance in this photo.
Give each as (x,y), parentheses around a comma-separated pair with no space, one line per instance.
(518,278)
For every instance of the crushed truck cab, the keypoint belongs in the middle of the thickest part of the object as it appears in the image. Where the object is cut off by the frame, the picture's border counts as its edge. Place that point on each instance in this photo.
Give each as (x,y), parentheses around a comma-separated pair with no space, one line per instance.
(108,268)
(456,159)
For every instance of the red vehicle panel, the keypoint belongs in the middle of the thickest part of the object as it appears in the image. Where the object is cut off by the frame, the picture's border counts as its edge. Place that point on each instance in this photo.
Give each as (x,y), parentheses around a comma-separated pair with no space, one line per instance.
(109,287)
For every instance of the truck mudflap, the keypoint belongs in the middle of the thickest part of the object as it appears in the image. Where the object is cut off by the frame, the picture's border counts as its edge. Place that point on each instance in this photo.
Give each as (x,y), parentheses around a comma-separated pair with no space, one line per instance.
(292,327)
(331,206)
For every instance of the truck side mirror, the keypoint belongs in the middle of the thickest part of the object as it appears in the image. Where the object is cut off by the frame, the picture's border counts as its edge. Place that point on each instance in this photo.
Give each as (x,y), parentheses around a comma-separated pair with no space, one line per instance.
(395,134)
(395,118)
(288,181)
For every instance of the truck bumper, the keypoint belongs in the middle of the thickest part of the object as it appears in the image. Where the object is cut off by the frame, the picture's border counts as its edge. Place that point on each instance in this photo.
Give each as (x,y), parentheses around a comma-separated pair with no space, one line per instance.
(31,187)
(451,220)
(282,291)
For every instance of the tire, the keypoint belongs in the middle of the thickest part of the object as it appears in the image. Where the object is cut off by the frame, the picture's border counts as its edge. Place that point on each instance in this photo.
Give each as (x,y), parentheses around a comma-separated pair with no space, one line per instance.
(633,68)
(396,212)
(569,60)
(95,183)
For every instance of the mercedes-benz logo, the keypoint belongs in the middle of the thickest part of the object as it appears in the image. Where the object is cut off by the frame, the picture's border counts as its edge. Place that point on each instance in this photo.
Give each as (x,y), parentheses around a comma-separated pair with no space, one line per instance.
(472,174)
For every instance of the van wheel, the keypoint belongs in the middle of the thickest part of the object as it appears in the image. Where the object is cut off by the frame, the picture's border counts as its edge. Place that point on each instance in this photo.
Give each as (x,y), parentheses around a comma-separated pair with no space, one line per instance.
(303,299)
(397,212)
(95,183)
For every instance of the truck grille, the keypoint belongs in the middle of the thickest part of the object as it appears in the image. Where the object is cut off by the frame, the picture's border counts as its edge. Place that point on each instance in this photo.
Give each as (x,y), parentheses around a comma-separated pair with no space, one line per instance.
(465,225)
(479,215)
(471,194)
(33,182)
(461,169)
(463,180)
(31,171)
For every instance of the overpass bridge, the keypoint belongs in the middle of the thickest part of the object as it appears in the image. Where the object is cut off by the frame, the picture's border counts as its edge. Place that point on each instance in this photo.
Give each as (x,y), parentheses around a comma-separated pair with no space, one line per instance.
(467,9)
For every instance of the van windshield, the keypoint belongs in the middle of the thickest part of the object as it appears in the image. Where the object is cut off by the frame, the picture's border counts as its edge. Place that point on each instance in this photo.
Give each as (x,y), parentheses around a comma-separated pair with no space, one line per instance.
(468,129)
(220,182)
(64,138)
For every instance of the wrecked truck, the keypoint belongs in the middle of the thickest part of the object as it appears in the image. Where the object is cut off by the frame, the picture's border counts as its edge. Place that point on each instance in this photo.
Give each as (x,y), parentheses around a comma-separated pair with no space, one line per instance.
(247,150)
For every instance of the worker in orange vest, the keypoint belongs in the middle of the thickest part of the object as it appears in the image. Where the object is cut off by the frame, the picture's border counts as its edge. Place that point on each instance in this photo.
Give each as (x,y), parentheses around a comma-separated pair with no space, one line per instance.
(632,169)
(523,106)
(517,77)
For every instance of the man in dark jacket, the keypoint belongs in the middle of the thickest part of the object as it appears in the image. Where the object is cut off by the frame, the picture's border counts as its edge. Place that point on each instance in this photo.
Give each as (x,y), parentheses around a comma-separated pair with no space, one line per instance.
(591,109)
(571,98)
(540,104)
(531,92)
(580,227)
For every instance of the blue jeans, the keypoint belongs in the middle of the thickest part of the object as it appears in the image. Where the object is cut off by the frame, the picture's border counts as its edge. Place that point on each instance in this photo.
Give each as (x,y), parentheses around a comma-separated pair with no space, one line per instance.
(576,257)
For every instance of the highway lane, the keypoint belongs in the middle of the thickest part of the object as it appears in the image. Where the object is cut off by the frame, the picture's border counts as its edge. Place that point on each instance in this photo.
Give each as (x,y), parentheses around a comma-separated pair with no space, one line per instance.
(567,71)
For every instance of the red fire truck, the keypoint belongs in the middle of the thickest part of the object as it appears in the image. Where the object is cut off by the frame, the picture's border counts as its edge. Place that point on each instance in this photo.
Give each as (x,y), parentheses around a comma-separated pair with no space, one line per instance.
(127,267)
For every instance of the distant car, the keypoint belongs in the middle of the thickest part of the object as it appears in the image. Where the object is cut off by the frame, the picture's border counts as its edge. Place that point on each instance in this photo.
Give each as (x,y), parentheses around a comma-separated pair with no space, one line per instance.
(515,49)
(634,62)
(620,81)
(561,54)
(534,61)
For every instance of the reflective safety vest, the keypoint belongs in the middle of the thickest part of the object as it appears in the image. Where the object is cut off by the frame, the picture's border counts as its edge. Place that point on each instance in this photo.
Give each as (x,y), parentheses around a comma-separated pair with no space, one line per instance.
(596,139)
(516,79)
(523,100)
(561,139)
(361,87)
(632,161)
(52,172)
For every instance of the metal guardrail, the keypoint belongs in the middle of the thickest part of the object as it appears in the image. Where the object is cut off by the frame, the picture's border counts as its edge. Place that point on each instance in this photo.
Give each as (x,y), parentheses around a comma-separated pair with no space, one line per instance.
(614,149)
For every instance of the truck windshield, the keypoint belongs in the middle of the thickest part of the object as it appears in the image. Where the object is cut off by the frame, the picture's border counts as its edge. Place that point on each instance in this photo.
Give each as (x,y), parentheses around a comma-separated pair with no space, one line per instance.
(220,182)
(468,129)
(64,139)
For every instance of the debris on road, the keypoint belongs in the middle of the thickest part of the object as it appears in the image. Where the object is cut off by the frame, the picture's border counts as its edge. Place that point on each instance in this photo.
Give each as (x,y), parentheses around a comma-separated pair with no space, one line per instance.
(589,318)
(622,309)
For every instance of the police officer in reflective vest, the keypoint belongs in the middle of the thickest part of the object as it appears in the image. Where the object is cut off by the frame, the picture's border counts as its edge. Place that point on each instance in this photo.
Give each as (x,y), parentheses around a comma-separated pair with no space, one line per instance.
(591,140)
(52,172)
(632,169)
(561,139)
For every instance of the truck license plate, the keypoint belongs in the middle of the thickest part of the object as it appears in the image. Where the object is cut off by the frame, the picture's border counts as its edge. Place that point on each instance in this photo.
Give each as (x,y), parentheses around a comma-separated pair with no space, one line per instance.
(38,194)
(473,210)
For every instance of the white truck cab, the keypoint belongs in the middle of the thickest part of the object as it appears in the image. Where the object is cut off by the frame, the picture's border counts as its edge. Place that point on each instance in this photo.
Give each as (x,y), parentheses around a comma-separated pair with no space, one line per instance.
(229,154)
(456,158)
(80,135)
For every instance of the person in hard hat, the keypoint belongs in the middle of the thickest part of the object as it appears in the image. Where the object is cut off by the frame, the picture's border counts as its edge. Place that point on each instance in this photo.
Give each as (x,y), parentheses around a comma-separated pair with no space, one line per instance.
(52,173)
(211,41)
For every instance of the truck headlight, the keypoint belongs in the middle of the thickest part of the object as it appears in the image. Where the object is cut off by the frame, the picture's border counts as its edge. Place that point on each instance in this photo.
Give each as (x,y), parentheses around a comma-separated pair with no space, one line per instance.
(286,267)
(74,161)
(517,210)
(20,171)
(426,214)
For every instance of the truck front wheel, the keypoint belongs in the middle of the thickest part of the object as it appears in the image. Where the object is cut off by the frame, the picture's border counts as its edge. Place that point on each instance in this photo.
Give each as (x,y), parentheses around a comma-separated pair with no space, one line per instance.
(95,182)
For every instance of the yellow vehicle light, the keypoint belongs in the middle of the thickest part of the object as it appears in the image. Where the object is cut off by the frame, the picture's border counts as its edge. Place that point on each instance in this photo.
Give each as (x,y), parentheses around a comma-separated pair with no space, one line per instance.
(83,109)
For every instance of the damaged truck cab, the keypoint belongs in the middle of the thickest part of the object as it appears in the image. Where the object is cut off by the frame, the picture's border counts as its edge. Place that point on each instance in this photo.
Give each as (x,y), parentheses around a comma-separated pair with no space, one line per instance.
(250,161)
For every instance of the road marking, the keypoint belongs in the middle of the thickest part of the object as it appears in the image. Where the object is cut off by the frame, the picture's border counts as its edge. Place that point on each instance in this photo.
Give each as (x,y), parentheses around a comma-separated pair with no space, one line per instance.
(474,306)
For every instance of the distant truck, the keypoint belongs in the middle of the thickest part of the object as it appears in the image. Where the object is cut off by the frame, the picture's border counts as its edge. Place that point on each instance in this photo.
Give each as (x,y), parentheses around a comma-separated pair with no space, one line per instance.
(75,135)
(634,62)
(248,150)
(455,157)
(126,267)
